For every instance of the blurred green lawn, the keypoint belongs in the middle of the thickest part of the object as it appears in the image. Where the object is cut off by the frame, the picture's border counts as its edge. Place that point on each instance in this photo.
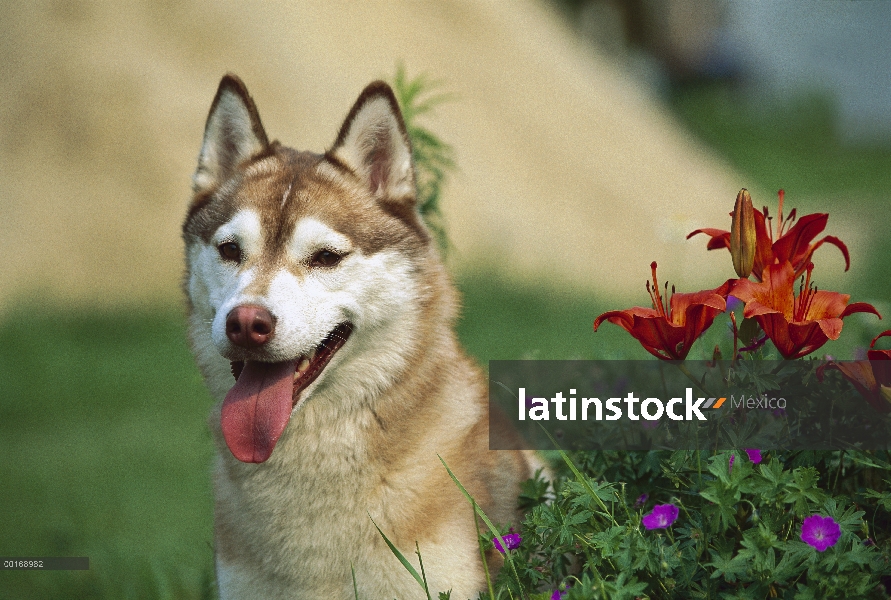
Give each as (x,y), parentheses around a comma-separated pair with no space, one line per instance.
(104,448)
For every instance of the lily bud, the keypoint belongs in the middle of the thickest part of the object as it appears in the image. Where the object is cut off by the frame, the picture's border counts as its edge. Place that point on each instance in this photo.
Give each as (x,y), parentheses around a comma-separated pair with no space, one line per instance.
(743,237)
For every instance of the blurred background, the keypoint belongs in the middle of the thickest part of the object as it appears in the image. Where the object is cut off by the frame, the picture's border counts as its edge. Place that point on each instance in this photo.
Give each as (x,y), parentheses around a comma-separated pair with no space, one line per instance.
(590,136)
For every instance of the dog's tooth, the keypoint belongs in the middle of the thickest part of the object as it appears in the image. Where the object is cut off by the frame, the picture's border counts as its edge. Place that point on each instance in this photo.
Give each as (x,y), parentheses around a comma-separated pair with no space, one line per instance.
(304,364)
(312,354)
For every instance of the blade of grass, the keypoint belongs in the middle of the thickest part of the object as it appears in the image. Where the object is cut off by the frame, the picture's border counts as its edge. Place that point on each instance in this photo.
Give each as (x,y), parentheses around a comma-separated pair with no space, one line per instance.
(486,520)
(423,574)
(476,523)
(355,587)
(581,478)
(408,567)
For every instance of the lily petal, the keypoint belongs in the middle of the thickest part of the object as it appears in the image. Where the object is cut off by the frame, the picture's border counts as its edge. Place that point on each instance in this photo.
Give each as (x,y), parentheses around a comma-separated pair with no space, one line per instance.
(860,307)
(881,360)
(775,290)
(824,305)
(876,338)
(719,238)
(831,239)
(793,246)
(831,328)
(863,377)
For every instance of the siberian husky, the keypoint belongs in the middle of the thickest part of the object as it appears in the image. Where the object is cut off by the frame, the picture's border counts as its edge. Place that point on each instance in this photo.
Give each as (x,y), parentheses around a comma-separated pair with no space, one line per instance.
(321,318)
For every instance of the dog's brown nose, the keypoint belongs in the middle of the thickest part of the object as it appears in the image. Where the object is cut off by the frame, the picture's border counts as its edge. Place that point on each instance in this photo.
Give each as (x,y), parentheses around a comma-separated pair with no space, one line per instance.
(249,326)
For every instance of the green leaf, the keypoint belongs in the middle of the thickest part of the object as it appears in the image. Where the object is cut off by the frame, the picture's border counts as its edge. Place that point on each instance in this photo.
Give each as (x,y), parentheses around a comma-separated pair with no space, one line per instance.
(884,498)
(770,480)
(731,569)
(408,566)
(432,157)
(724,498)
(608,541)
(581,478)
(803,490)
(533,492)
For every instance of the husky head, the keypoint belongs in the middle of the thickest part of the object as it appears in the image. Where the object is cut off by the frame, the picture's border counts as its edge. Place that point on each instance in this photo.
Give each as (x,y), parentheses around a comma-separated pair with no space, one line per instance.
(303,270)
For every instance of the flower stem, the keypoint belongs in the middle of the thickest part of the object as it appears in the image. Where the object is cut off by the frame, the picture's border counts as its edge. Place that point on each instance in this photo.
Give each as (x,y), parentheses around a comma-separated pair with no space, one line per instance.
(683,369)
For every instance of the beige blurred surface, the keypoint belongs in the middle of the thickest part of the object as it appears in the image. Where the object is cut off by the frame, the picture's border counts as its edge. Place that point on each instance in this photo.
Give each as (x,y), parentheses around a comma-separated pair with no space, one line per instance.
(568,171)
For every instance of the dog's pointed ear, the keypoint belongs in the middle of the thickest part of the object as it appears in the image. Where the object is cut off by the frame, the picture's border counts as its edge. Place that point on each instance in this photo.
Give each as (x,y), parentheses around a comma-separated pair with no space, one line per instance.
(374,145)
(233,134)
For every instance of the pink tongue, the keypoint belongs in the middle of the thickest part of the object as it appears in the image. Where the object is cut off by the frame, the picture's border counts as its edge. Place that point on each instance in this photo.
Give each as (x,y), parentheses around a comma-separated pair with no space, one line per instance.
(256,410)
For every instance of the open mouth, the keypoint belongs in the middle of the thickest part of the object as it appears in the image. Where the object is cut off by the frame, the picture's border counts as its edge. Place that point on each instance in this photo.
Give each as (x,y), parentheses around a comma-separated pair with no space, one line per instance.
(257,409)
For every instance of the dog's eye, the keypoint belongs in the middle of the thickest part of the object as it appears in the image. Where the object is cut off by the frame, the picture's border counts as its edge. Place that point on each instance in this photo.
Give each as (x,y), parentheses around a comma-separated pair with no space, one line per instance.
(230,251)
(325,258)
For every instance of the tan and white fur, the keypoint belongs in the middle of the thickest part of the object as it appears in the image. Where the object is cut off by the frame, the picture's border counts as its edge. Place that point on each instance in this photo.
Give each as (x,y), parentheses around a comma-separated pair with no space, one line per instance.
(319,265)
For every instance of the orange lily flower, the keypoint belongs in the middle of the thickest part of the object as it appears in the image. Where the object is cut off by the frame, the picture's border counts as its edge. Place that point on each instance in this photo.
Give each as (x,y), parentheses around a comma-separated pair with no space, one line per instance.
(668,330)
(872,377)
(795,245)
(796,325)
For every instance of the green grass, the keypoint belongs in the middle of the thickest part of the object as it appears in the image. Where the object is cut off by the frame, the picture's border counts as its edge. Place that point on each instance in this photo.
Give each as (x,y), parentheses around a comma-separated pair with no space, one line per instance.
(105,454)
(505,320)
(785,143)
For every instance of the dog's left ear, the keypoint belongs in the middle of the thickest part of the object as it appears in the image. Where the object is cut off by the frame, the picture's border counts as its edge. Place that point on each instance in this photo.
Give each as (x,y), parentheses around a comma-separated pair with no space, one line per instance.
(374,145)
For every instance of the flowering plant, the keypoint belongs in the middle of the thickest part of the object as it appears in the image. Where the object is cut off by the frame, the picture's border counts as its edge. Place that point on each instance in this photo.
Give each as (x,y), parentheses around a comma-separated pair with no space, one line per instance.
(769,527)
(744,523)
(797,325)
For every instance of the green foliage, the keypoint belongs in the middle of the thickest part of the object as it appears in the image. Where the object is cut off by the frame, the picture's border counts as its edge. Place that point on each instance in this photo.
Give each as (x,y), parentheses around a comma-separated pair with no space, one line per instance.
(738,534)
(433,158)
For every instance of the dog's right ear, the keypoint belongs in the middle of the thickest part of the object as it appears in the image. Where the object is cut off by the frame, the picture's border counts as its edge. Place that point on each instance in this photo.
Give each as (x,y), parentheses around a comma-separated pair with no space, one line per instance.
(233,134)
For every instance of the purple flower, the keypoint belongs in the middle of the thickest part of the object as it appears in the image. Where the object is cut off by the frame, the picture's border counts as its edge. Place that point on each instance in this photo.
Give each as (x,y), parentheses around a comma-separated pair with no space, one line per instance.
(733,303)
(641,500)
(511,539)
(730,466)
(662,516)
(754,455)
(820,532)
(557,595)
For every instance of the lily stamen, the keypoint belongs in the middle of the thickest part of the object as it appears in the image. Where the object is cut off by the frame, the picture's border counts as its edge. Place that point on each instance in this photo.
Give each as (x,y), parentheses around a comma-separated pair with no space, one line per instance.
(654,294)
(781,194)
(806,294)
